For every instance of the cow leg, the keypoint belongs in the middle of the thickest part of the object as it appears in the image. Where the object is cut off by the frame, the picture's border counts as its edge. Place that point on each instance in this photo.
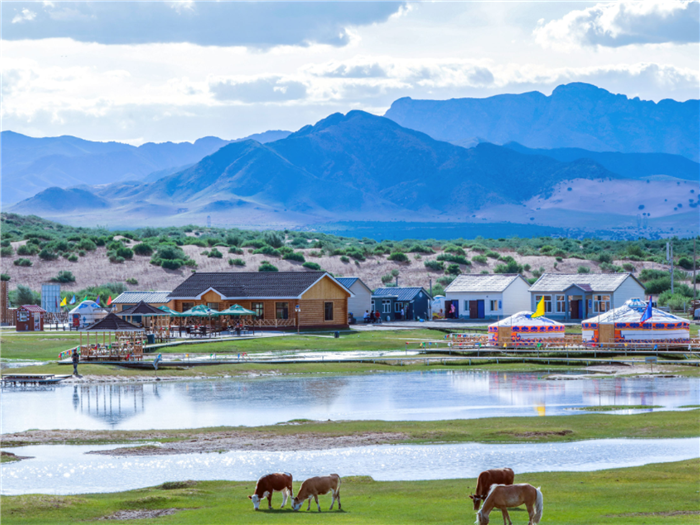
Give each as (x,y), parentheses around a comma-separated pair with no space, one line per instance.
(269,500)
(284,497)
(332,500)
(337,496)
(317,504)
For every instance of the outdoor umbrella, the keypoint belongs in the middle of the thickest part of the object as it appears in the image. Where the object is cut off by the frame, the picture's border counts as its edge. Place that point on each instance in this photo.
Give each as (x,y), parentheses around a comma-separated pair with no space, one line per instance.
(201,311)
(170,311)
(236,309)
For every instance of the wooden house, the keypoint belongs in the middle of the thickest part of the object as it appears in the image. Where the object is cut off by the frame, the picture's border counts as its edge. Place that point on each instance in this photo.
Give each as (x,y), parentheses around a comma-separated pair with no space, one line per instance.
(30,318)
(321,300)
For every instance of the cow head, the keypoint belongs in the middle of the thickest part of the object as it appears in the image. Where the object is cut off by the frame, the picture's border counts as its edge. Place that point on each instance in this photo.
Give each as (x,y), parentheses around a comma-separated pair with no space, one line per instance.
(477,501)
(296,503)
(256,501)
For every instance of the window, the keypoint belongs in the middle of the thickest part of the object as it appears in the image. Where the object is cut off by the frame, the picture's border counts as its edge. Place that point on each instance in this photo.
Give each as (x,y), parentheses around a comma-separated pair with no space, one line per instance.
(213,306)
(601,303)
(282,310)
(386,306)
(493,305)
(187,306)
(259,309)
(397,307)
(329,311)
(547,302)
(561,304)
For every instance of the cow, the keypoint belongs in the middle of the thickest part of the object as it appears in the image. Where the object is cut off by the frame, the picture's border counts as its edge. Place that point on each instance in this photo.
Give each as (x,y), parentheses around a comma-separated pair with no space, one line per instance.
(501,476)
(312,487)
(278,482)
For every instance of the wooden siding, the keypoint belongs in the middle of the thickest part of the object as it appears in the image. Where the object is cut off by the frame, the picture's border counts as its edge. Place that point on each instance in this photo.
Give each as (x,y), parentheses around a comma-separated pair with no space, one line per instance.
(326,288)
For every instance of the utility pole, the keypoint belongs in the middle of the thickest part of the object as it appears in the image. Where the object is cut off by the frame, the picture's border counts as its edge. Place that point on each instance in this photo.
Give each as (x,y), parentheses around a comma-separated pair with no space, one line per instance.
(695,275)
(669,259)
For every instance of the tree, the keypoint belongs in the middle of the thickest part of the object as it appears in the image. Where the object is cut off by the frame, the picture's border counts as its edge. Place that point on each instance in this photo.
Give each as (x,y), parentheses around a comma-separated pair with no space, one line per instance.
(24,295)
(4,277)
(273,239)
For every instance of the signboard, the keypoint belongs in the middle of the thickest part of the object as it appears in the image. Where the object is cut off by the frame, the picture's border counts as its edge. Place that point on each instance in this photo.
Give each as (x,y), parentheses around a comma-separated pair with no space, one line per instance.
(51,297)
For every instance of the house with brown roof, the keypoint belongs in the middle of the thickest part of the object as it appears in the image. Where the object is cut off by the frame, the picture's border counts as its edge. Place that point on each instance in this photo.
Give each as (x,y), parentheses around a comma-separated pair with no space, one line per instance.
(280,299)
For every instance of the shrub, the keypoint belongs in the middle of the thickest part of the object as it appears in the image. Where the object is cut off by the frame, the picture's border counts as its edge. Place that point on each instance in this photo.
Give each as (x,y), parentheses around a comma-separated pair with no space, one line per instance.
(659,285)
(559,254)
(205,253)
(386,279)
(235,250)
(63,277)
(27,249)
(675,301)
(648,274)
(398,257)
(493,255)
(453,269)
(215,253)
(87,245)
(481,259)
(629,267)
(445,280)
(6,251)
(171,264)
(311,266)
(82,253)
(125,253)
(583,269)
(267,250)
(22,262)
(273,239)
(419,248)
(355,253)
(510,266)
(344,258)
(295,256)
(452,248)
(131,280)
(4,277)
(47,255)
(559,259)
(437,266)
(479,248)
(233,240)
(527,267)
(267,267)
(143,249)
(236,262)
(116,259)
(605,258)
(73,257)
(686,263)
(457,259)
(254,243)
(538,273)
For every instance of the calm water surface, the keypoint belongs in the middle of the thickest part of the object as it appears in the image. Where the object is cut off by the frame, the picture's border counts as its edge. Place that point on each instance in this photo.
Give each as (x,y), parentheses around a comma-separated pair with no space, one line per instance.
(63,469)
(391,396)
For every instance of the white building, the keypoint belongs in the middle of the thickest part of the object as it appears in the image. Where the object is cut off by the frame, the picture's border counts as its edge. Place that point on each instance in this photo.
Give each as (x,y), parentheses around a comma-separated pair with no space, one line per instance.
(579,296)
(362,300)
(478,296)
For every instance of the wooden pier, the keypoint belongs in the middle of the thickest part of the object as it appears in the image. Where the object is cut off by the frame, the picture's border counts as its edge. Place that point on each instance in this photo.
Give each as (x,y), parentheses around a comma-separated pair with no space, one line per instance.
(32,379)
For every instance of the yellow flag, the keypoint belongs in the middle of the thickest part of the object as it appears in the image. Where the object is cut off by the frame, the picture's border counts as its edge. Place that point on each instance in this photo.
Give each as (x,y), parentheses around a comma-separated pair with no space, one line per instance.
(64,303)
(540,309)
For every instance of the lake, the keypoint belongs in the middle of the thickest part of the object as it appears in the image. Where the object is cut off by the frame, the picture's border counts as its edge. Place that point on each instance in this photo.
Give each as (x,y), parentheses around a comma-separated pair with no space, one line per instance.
(429,395)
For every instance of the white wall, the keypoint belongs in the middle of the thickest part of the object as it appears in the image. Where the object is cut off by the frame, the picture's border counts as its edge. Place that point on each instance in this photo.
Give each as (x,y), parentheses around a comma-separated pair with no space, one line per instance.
(486,297)
(361,302)
(516,298)
(627,290)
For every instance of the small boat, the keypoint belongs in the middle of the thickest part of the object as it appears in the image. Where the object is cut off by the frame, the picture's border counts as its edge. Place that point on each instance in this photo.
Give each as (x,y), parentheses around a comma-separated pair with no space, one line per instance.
(32,379)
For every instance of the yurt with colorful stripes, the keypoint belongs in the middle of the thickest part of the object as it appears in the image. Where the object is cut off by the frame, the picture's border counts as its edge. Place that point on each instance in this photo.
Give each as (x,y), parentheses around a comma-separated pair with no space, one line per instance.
(521,329)
(86,313)
(624,325)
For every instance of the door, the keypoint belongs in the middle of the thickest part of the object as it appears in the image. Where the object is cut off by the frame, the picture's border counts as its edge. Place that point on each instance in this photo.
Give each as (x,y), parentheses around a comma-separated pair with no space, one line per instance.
(37,322)
(473,309)
(575,309)
(480,309)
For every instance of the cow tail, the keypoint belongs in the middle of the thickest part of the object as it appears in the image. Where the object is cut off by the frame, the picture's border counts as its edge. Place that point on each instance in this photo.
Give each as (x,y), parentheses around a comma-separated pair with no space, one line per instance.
(539,507)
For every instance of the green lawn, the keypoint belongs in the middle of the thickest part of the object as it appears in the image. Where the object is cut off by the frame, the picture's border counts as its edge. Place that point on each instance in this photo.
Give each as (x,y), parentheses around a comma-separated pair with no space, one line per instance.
(665,424)
(44,346)
(660,493)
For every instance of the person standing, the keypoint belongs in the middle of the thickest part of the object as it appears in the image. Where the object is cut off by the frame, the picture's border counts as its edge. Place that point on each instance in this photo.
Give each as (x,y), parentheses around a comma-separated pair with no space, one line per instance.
(75,358)
(403,313)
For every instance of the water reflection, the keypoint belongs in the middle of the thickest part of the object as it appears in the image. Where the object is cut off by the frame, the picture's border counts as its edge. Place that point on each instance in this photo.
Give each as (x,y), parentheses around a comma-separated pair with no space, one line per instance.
(61,469)
(429,395)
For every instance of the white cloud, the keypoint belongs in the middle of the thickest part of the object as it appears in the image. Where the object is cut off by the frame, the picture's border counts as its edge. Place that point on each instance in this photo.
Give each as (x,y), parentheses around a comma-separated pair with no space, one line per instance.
(623,23)
(25,15)
(264,89)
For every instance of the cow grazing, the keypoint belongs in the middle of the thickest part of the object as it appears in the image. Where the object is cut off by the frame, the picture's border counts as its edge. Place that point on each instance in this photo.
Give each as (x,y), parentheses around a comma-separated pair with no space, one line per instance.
(312,487)
(278,482)
(495,476)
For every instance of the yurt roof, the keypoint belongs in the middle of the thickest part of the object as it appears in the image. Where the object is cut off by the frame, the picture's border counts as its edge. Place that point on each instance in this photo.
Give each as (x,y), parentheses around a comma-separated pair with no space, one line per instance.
(524,319)
(631,312)
(86,307)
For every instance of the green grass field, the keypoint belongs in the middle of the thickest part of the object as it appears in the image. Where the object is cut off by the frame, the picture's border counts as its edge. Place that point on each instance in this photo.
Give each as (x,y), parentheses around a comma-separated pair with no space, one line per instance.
(660,493)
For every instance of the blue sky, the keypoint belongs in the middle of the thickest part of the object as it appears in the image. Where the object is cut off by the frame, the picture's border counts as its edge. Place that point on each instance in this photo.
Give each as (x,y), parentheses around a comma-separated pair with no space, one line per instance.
(157,71)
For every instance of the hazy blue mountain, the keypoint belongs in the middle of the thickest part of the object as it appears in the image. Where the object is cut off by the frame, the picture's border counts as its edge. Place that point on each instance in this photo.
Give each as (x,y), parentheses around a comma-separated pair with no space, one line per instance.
(631,165)
(32,164)
(575,116)
(59,200)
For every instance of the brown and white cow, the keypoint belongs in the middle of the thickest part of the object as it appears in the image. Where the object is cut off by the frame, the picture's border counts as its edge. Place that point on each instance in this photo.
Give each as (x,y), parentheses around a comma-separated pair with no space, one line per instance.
(278,482)
(312,487)
(495,476)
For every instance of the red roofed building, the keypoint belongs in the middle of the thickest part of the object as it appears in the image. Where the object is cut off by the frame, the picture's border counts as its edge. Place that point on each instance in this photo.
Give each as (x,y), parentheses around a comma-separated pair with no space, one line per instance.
(30,318)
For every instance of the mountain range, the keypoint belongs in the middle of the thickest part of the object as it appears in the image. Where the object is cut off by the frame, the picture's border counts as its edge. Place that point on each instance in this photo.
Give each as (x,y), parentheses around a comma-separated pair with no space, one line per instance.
(362,167)
(574,116)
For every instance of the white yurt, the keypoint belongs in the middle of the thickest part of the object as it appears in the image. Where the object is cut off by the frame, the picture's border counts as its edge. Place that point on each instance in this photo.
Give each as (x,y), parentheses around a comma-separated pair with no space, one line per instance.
(524,330)
(623,325)
(86,313)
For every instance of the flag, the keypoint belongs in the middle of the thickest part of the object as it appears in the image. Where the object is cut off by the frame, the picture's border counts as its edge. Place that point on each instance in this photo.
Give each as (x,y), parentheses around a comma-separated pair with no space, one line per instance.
(540,309)
(98,300)
(72,301)
(85,298)
(109,301)
(64,302)
(647,312)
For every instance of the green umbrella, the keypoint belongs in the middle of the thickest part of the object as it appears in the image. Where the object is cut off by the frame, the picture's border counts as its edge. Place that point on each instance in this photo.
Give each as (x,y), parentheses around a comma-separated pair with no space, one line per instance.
(170,311)
(236,309)
(200,310)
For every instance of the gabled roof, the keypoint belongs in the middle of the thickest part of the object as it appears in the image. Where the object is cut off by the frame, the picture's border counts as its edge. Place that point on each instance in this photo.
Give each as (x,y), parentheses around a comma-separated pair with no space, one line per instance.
(594,282)
(243,285)
(142,308)
(348,282)
(473,282)
(147,297)
(402,294)
(33,308)
(112,323)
